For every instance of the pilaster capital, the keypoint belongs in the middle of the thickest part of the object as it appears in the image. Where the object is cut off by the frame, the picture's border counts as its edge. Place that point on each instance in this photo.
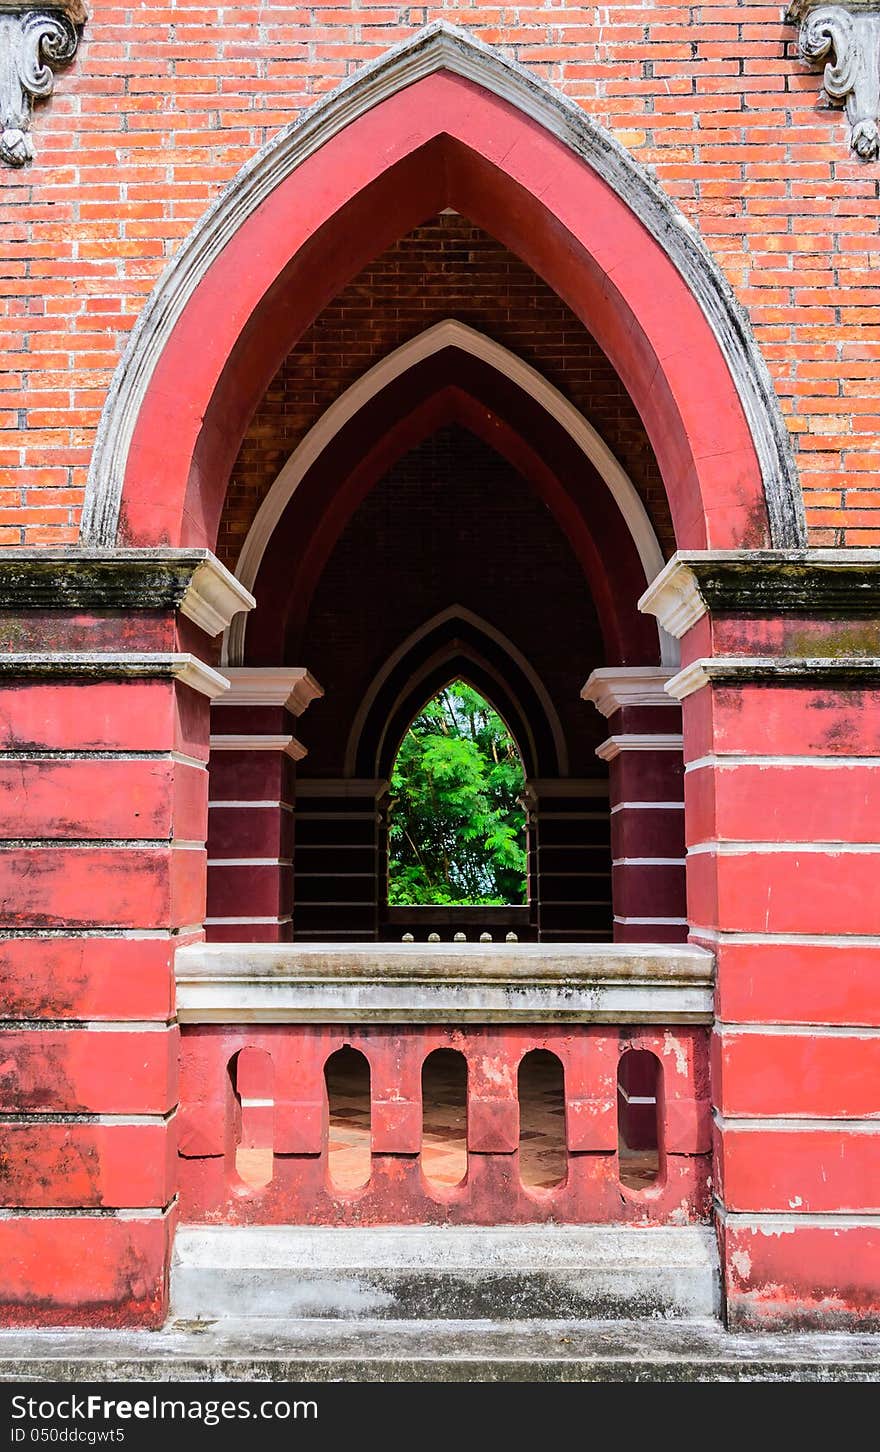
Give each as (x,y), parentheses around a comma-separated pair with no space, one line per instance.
(610,688)
(289,686)
(35,38)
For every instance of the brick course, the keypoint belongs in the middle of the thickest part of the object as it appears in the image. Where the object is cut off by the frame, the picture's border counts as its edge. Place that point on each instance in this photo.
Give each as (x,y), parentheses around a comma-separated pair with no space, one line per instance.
(162,106)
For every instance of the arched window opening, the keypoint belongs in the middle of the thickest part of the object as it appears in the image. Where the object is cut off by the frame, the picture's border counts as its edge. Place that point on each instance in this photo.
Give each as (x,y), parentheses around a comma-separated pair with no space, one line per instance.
(542,1150)
(347,1078)
(251,1074)
(456,824)
(638,1096)
(444,1117)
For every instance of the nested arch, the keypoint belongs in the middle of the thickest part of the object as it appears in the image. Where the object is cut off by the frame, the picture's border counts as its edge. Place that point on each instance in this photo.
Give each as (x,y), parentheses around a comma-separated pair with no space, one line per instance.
(445,387)
(440,122)
(456,643)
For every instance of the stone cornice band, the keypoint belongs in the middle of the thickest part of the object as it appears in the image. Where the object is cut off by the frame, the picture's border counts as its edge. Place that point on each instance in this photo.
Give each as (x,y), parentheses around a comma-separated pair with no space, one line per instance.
(85,666)
(191,580)
(819,582)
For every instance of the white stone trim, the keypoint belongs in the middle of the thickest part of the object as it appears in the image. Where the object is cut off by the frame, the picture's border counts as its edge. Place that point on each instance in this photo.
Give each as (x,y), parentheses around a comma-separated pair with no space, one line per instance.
(770,670)
(241,742)
(798,1125)
(725,761)
(442,983)
(250,862)
(285,806)
(811,940)
(636,741)
(728,848)
(674,598)
(449,333)
(799,1030)
(133,665)
(649,922)
(289,686)
(649,862)
(200,677)
(231,922)
(775,1222)
(442,47)
(645,807)
(612,687)
(214,597)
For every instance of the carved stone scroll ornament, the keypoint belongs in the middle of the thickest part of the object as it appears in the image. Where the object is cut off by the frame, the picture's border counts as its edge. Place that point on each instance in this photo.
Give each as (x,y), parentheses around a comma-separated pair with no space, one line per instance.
(847,38)
(34,39)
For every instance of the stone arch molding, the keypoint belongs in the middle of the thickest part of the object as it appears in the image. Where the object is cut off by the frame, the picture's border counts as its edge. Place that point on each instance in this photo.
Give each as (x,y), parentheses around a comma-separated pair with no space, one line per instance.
(450,333)
(439,47)
(410,647)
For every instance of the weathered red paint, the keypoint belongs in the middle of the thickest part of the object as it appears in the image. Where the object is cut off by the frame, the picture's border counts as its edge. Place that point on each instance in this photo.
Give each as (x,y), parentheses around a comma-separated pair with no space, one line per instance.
(802,983)
(786,891)
(79,1070)
(115,715)
(60,1166)
(81,1271)
(106,798)
(801,1171)
(768,802)
(91,977)
(807,1277)
(781,720)
(803,1074)
(136,887)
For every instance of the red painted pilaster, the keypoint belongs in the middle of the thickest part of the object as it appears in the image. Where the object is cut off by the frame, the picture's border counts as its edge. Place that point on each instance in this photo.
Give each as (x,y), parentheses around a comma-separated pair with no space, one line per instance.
(643,752)
(102,876)
(782,760)
(251,823)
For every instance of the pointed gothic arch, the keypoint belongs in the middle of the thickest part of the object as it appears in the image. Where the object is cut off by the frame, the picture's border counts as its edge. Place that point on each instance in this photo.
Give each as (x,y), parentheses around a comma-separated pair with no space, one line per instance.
(440,120)
(450,333)
(457,641)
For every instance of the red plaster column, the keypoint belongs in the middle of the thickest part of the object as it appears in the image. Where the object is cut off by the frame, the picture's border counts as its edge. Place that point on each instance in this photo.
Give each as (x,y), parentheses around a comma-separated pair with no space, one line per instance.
(643,751)
(103,746)
(251,825)
(779,690)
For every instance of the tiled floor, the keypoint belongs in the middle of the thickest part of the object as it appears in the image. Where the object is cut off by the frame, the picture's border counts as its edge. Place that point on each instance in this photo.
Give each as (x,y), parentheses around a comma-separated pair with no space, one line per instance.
(444,1157)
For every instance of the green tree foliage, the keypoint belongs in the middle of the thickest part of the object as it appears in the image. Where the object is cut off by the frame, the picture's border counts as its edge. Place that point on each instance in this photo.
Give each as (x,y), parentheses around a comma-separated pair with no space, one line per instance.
(456,826)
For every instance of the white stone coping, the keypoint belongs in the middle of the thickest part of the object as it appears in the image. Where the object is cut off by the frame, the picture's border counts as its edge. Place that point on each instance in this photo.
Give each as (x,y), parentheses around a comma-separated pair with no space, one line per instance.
(487,1249)
(444,983)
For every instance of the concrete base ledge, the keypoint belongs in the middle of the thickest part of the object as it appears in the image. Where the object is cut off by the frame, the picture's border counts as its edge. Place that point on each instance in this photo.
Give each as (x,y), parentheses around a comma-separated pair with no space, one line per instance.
(383,1351)
(453,1272)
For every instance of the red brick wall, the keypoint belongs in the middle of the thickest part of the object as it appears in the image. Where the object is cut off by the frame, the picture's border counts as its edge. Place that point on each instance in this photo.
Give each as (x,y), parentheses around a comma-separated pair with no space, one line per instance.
(447,268)
(161,107)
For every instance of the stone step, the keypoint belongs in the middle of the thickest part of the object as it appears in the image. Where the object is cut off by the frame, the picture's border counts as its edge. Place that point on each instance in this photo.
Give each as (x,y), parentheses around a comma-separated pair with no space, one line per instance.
(257,1350)
(454,1273)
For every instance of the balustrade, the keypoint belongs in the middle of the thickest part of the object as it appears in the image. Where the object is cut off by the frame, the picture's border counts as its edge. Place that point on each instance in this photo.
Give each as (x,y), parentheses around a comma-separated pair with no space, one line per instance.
(266,1032)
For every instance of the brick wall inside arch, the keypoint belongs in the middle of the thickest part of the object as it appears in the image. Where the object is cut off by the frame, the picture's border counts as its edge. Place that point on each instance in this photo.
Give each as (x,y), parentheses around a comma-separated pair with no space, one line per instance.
(446,268)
